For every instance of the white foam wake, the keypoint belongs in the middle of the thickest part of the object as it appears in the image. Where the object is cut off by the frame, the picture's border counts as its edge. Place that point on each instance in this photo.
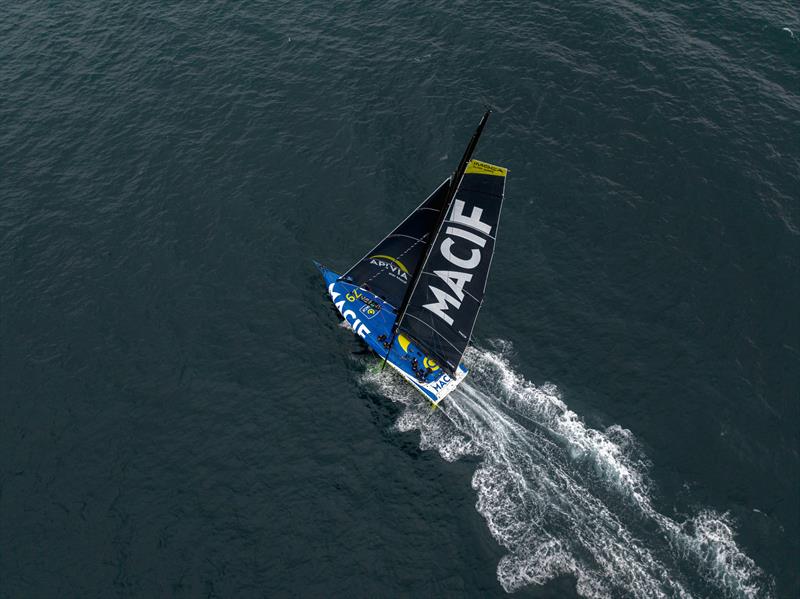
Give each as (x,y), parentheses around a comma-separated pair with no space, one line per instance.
(564,498)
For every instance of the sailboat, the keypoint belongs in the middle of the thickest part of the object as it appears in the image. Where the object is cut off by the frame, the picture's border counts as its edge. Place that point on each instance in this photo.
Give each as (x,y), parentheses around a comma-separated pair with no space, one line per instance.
(414,298)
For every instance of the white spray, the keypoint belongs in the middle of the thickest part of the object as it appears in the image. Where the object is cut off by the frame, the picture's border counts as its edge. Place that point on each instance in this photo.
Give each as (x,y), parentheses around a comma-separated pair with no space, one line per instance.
(564,498)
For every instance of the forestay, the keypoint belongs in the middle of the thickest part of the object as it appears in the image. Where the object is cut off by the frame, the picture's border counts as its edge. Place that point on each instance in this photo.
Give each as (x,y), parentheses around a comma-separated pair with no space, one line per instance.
(444,305)
(388,268)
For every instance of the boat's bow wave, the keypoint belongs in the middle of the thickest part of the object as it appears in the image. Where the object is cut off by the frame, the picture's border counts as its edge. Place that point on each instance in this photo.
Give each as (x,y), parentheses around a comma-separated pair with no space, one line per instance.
(564,498)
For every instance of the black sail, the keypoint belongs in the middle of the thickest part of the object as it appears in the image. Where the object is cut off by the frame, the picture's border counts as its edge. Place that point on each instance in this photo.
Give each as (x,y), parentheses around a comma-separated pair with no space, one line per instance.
(443,307)
(388,268)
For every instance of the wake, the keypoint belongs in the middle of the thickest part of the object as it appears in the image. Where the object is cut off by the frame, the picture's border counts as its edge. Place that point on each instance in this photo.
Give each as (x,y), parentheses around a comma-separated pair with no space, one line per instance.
(564,498)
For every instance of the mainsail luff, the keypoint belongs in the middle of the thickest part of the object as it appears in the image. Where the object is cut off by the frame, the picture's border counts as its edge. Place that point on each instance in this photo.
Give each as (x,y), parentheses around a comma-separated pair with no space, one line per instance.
(455,182)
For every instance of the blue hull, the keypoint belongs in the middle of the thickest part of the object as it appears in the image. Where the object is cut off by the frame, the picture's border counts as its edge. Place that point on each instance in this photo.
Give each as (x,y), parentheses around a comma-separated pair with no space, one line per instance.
(372,318)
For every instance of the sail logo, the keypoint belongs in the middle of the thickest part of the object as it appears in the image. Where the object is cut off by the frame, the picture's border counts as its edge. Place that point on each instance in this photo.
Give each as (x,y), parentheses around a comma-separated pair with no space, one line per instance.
(394,267)
(461,246)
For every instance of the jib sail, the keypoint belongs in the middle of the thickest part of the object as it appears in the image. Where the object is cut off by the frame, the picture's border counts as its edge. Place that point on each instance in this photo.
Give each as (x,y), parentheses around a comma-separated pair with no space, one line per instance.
(389,267)
(443,306)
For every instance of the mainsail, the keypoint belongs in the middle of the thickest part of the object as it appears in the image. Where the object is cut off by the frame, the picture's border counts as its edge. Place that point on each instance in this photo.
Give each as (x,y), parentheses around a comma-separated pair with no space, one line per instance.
(444,302)
(389,267)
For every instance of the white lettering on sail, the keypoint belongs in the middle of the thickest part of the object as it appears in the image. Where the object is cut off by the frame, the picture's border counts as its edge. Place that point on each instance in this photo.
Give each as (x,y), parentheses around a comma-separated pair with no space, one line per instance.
(466,235)
(455,280)
(447,252)
(394,271)
(440,307)
(473,220)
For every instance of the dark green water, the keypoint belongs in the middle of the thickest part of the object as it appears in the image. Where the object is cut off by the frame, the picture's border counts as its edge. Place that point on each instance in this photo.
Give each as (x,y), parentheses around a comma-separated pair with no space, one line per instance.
(182,416)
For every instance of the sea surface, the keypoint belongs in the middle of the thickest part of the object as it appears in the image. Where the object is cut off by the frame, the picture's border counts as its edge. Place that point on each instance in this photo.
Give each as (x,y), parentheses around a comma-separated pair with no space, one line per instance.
(181,413)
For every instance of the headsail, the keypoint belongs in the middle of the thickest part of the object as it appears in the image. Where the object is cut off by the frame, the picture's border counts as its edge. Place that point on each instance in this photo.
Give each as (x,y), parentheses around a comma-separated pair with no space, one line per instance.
(388,268)
(444,304)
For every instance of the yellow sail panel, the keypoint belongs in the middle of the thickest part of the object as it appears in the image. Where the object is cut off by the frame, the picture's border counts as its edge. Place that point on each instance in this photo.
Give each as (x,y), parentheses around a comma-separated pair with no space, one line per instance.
(484,168)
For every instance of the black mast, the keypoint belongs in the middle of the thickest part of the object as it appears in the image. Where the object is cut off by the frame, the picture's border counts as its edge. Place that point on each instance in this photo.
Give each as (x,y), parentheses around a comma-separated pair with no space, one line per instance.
(455,181)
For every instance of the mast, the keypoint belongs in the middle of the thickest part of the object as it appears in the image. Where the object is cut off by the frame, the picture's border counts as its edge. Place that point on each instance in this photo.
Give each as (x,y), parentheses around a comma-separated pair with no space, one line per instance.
(455,181)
